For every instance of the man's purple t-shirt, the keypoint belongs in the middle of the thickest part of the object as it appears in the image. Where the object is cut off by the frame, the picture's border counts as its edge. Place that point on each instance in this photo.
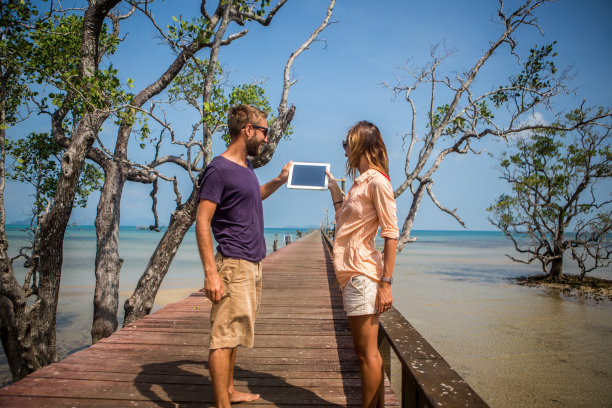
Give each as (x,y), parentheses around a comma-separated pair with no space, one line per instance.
(237,223)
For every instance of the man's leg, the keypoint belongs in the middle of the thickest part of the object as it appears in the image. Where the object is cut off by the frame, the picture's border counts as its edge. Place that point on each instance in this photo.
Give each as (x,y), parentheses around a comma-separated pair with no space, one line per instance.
(219,365)
(228,318)
(235,395)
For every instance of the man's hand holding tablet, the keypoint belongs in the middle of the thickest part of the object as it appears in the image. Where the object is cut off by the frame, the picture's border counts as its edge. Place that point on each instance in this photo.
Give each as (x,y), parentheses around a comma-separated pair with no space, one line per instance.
(308,176)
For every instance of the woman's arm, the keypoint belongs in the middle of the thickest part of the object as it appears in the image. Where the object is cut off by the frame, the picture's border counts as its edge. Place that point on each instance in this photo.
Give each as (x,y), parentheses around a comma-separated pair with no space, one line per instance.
(334,189)
(384,298)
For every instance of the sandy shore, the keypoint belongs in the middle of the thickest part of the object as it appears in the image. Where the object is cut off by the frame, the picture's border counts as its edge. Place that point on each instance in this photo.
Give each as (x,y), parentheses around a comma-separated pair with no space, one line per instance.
(166,296)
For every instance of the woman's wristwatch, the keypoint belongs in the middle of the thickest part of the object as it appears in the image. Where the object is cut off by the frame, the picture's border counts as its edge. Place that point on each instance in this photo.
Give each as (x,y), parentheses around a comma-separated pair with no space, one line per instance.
(388,280)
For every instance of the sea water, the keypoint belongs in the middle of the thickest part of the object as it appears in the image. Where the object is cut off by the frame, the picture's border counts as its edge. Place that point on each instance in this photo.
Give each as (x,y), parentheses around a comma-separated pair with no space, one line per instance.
(516,346)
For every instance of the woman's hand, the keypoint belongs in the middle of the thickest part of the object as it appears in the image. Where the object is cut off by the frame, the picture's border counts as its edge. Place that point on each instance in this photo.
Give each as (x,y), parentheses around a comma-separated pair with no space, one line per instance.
(331,183)
(334,189)
(384,298)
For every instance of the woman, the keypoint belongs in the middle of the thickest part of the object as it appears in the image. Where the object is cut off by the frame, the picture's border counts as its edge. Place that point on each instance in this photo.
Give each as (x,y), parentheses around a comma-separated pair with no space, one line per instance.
(364,274)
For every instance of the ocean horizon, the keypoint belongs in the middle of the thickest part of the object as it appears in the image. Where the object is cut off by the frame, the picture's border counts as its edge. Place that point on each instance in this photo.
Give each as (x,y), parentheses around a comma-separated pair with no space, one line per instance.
(515,345)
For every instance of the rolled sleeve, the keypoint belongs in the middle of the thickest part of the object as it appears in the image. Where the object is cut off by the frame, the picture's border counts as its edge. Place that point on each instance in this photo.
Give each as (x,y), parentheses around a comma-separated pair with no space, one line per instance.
(384,202)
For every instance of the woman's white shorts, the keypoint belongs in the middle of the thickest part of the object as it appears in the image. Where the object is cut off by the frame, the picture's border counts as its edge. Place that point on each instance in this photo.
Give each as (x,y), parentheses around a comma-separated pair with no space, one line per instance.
(359,296)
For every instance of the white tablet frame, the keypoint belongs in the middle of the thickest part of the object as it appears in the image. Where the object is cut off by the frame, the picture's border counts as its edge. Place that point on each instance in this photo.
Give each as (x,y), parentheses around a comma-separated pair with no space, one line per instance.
(304,187)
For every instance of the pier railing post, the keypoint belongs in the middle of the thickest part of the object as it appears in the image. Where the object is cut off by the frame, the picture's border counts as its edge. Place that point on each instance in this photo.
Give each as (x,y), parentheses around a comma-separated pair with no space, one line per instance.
(409,395)
(385,352)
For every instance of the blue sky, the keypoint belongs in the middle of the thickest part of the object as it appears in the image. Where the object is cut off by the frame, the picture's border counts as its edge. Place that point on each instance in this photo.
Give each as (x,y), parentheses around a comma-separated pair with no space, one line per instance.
(340,82)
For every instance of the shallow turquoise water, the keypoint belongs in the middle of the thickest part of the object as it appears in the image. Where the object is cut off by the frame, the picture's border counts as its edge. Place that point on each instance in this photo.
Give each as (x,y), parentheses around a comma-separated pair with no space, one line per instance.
(516,346)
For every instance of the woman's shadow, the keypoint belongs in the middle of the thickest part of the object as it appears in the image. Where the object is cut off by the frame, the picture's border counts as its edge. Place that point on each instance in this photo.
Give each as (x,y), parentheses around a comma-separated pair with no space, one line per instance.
(185,383)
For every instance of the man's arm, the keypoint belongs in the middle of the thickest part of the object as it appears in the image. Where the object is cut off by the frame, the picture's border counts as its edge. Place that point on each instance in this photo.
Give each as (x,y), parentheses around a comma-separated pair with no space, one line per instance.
(213,286)
(273,185)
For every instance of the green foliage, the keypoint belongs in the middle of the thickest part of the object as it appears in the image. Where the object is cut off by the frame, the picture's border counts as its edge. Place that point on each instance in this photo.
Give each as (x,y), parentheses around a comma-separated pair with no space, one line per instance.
(553,175)
(439,114)
(257,6)
(184,32)
(189,87)
(56,59)
(199,30)
(37,162)
(459,124)
(248,94)
(526,88)
(15,48)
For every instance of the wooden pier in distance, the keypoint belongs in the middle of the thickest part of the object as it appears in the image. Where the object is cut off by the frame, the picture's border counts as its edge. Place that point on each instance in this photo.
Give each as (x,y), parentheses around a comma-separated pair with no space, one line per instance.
(303,354)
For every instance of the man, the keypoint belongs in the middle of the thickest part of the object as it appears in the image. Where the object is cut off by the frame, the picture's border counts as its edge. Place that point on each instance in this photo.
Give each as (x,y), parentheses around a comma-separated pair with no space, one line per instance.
(231,203)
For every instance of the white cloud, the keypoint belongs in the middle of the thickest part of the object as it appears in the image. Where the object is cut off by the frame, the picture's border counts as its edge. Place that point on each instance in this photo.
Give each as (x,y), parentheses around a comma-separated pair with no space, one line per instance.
(535,119)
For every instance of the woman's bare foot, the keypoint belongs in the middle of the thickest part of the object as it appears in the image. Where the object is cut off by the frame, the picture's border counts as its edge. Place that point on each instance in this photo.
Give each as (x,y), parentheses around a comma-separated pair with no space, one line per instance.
(236,396)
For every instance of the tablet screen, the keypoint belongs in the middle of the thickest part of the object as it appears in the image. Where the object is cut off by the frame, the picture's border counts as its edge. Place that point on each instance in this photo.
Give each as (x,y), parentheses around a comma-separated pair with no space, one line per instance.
(310,176)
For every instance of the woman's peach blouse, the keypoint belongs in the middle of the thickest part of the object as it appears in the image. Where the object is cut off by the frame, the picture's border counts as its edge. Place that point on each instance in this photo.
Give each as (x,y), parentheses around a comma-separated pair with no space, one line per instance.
(368,205)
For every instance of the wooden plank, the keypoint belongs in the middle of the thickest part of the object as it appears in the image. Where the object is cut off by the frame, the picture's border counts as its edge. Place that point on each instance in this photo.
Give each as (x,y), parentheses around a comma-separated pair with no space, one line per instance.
(303,354)
(246,368)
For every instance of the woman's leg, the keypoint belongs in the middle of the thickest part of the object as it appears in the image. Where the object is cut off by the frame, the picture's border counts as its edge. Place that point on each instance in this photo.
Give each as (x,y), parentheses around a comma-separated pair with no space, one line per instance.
(365,339)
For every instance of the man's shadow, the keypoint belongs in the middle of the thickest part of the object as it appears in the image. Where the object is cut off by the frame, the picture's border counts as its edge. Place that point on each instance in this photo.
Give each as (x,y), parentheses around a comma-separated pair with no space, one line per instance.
(185,383)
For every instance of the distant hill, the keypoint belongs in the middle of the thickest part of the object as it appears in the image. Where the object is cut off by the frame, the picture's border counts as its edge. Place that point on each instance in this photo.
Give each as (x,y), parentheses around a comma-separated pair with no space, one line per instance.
(20,222)
(301,227)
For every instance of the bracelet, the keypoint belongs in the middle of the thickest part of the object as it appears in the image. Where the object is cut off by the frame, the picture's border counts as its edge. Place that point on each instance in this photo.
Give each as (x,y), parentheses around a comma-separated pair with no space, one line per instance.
(338,202)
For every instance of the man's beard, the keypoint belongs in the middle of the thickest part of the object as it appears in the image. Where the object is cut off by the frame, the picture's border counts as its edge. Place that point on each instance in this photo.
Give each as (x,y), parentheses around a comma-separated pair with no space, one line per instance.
(253,146)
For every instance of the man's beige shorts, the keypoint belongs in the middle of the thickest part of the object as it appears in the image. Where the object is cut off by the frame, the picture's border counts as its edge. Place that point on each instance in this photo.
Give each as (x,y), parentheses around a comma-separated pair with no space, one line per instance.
(232,320)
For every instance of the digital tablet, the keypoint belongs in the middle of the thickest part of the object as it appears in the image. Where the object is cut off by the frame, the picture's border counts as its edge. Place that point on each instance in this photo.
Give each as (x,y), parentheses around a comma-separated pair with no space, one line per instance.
(308,176)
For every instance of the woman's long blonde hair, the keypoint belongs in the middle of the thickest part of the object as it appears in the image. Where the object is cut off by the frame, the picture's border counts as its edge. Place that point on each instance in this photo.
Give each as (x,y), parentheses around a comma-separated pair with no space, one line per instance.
(364,139)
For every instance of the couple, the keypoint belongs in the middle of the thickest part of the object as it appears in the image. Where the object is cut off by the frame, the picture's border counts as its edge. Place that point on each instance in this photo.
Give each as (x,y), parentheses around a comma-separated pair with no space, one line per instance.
(231,204)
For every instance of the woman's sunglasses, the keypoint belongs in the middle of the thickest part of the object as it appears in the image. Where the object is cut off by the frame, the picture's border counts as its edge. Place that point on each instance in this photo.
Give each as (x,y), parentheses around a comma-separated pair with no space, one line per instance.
(344,144)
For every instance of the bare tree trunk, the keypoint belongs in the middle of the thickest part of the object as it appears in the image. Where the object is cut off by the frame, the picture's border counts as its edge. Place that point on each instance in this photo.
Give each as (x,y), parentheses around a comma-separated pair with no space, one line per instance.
(14,323)
(556,268)
(108,261)
(28,332)
(117,172)
(417,196)
(12,297)
(52,229)
(141,301)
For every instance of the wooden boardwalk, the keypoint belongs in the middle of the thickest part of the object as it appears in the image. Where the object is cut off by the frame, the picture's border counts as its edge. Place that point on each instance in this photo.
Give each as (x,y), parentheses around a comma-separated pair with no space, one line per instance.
(303,355)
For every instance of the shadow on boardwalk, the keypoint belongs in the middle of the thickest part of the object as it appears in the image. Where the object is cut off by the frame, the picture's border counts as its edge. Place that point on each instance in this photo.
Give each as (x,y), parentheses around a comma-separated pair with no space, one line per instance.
(340,322)
(180,386)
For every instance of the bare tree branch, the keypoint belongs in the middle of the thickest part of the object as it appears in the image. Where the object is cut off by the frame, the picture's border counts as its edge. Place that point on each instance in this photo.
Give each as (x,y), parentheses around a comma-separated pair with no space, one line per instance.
(285,115)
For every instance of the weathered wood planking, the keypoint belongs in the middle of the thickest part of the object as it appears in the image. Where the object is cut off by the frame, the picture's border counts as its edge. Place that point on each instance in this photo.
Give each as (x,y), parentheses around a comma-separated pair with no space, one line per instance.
(303,355)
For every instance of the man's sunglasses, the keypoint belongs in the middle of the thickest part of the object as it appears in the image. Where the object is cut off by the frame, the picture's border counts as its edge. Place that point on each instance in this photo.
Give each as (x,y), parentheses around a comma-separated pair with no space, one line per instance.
(263,129)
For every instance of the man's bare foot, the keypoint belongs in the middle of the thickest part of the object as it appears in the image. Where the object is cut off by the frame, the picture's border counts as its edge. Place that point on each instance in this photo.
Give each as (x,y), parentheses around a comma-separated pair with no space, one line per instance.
(236,396)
